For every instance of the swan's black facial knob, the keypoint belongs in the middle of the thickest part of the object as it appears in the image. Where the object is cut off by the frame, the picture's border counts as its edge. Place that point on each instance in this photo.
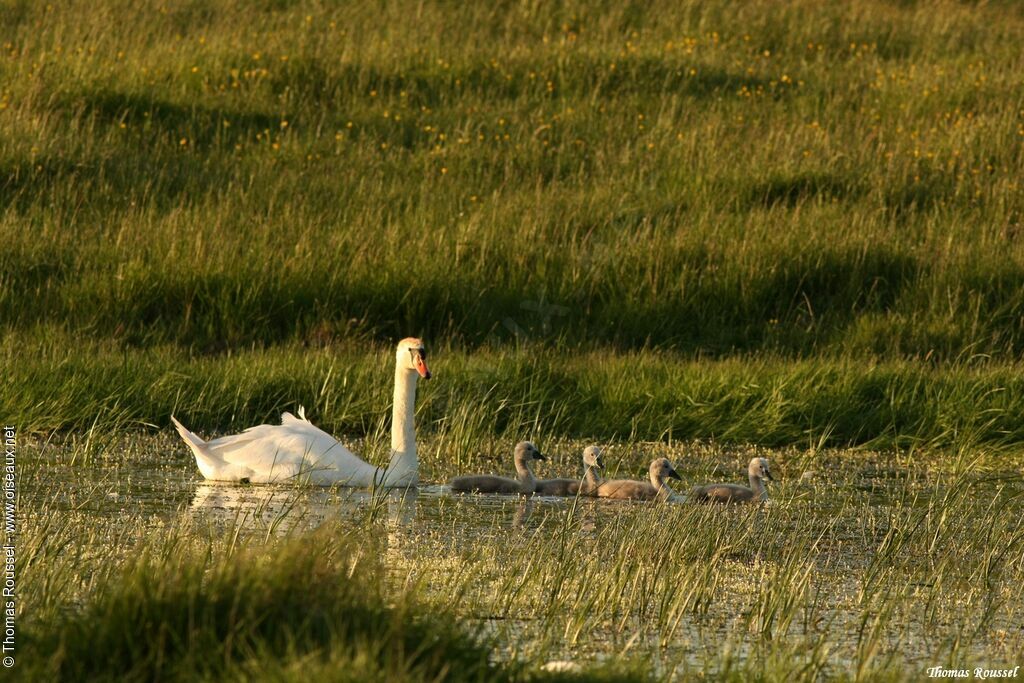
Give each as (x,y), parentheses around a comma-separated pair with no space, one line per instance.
(419,361)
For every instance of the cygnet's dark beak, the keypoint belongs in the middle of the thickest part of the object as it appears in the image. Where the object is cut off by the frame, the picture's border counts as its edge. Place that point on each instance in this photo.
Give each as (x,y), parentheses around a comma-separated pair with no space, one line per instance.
(600,464)
(768,473)
(675,475)
(537,455)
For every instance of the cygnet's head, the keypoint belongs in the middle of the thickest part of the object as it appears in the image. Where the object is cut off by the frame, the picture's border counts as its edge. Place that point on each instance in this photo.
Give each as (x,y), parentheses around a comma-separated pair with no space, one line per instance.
(759,468)
(592,457)
(526,452)
(661,469)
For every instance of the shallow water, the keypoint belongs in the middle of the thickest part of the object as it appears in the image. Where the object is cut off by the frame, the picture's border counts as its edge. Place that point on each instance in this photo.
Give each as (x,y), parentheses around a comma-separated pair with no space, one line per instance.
(124,490)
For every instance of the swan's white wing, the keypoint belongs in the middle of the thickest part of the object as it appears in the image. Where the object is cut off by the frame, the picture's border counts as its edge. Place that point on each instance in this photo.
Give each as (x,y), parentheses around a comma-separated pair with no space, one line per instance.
(294,448)
(288,418)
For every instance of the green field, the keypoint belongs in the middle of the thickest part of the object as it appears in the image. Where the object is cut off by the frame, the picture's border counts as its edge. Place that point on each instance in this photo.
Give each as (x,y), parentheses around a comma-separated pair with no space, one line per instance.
(798,225)
(818,188)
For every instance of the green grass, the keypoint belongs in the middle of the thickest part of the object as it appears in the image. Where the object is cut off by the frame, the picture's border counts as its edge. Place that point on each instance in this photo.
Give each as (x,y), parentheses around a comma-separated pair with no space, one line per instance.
(805,179)
(176,616)
(793,224)
(803,189)
(873,570)
(318,607)
(534,392)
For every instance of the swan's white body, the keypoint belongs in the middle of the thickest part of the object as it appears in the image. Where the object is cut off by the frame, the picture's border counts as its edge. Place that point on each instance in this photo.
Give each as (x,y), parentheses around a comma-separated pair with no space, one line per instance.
(296,450)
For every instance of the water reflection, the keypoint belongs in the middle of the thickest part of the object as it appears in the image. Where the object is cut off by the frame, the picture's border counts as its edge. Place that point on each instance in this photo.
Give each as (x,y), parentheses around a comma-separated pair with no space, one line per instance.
(285,508)
(281,509)
(523,512)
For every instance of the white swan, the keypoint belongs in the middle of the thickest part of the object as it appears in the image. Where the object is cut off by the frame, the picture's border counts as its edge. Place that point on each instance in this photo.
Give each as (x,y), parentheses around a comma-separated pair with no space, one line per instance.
(296,449)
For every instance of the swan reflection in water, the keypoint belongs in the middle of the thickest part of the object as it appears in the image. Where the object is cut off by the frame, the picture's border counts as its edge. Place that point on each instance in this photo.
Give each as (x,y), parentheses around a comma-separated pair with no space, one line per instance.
(281,509)
(408,516)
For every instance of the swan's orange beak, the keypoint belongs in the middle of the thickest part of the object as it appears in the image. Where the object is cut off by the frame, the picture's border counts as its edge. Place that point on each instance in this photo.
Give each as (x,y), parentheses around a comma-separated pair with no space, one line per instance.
(421,367)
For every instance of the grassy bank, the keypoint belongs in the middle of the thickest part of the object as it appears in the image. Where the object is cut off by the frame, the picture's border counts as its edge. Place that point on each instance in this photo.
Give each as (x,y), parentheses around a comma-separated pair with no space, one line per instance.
(287,611)
(810,177)
(528,392)
(823,198)
(178,616)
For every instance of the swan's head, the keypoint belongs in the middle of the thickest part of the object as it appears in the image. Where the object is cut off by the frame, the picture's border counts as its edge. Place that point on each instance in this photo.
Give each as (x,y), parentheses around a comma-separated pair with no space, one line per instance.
(592,457)
(412,355)
(759,468)
(661,469)
(526,452)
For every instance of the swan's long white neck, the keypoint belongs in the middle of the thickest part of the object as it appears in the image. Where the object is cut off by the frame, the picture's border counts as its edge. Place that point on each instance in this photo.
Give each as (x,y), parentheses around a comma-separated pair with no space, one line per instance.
(403,470)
